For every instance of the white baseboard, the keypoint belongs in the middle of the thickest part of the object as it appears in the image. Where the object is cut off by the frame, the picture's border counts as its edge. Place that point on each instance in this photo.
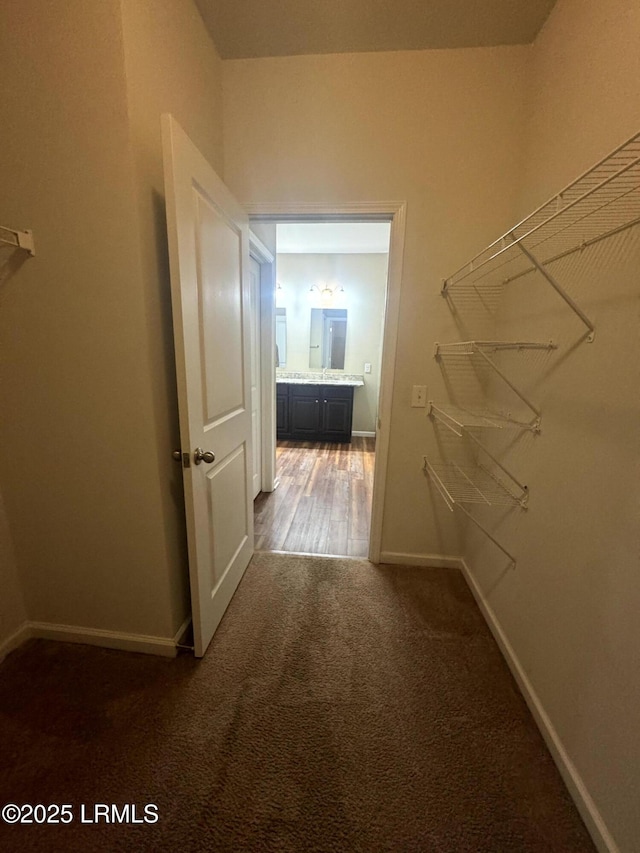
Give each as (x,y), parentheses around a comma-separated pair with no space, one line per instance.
(591,816)
(164,646)
(16,639)
(364,433)
(432,561)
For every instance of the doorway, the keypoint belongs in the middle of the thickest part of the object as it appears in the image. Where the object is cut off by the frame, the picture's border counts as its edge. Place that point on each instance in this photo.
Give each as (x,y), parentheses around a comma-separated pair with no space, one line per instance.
(329,320)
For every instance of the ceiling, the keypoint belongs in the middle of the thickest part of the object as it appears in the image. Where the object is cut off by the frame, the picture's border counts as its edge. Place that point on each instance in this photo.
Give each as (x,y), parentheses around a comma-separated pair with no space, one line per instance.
(253,28)
(337,238)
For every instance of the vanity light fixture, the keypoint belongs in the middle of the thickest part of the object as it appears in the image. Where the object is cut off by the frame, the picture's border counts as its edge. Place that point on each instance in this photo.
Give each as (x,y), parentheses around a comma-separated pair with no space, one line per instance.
(326,295)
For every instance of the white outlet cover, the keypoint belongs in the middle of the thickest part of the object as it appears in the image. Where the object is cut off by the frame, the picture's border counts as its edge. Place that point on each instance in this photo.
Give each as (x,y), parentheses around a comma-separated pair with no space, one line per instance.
(419,396)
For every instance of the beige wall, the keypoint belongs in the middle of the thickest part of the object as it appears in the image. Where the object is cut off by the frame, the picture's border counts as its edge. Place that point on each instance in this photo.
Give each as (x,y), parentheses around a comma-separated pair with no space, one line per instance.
(570,608)
(171,66)
(582,92)
(80,488)
(364,278)
(437,129)
(92,498)
(12,612)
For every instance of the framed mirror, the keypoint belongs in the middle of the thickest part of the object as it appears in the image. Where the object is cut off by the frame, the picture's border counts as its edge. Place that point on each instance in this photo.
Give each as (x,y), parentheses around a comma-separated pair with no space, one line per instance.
(328,338)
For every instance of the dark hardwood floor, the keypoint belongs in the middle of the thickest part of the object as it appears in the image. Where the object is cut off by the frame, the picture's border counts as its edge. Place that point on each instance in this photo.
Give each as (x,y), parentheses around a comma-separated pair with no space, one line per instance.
(322,504)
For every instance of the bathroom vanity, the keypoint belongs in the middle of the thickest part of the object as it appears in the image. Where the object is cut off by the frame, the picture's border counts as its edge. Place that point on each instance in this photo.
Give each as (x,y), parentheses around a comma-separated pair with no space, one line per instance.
(315,406)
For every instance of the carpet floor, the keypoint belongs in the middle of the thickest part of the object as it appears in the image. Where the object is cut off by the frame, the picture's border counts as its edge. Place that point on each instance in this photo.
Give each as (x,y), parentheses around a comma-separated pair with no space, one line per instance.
(341,707)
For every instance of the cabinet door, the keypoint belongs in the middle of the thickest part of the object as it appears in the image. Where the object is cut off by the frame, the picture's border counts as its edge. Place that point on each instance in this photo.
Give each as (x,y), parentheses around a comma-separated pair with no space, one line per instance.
(337,418)
(305,411)
(337,413)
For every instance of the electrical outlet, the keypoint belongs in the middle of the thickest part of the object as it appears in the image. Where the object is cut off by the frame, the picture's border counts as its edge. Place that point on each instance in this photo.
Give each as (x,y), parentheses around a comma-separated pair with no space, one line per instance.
(367,367)
(419,396)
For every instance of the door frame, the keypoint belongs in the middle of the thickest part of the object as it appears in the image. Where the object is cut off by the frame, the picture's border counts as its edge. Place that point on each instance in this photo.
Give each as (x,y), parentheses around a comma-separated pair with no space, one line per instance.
(267,337)
(374,211)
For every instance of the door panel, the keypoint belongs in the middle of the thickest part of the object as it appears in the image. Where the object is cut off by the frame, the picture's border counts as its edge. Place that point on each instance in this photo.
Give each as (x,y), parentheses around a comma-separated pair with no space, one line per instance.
(209,256)
(227,505)
(218,249)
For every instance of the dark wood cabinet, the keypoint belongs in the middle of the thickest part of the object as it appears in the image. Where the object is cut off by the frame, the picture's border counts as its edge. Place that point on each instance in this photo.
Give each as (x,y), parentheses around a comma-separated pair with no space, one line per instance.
(314,412)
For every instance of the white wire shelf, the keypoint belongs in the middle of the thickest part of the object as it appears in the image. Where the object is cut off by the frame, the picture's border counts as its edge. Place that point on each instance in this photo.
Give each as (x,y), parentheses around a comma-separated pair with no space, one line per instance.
(600,203)
(472,421)
(459,486)
(469,348)
(457,418)
(472,485)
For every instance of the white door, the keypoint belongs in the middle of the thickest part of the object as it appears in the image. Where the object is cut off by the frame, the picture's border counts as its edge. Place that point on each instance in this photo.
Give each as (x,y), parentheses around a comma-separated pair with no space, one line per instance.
(209,256)
(256,425)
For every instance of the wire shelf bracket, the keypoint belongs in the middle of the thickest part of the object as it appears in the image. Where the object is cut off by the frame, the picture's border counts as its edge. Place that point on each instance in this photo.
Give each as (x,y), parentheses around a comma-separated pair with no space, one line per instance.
(18,239)
(559,290)
(481,348)
(458,486)
(603,201)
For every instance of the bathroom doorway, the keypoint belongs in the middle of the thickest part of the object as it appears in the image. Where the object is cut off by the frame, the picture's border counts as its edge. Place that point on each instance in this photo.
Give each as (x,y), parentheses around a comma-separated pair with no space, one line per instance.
(331,292)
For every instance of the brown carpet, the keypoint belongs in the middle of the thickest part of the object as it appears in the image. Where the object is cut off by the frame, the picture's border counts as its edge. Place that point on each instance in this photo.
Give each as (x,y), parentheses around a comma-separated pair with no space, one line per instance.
(341,707)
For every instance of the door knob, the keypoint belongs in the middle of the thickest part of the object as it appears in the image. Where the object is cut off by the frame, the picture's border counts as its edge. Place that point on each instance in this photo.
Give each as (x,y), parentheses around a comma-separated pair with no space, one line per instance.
(200,455)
